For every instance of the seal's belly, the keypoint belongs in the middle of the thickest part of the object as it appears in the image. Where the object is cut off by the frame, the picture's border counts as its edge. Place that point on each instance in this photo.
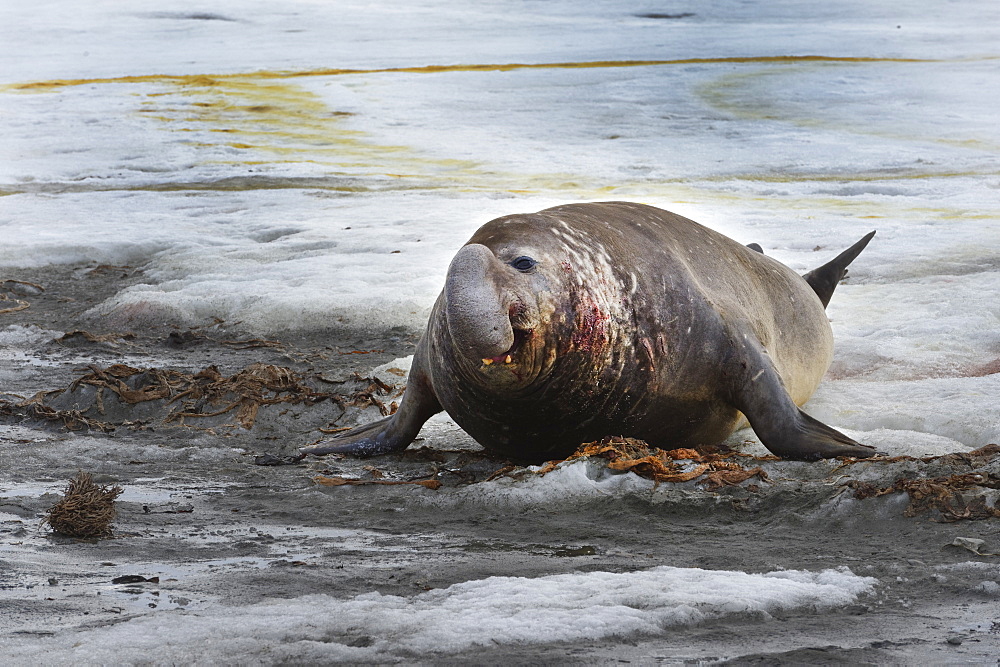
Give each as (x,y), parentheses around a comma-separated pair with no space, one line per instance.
(539,429)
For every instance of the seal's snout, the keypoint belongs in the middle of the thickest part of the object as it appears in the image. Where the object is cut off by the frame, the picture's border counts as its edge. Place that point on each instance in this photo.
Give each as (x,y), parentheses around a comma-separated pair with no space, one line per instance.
(476,304)
(490,310)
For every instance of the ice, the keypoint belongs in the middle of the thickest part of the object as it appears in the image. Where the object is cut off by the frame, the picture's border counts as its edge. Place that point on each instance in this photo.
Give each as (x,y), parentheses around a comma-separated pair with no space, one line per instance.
(963,408)
(990,588)
(64,454)
(29,336)
(570,482)
(394,372)
(484,612)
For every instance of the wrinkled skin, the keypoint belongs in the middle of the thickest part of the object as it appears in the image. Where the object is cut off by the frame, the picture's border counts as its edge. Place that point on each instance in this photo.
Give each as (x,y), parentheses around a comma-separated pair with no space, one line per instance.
(589,320)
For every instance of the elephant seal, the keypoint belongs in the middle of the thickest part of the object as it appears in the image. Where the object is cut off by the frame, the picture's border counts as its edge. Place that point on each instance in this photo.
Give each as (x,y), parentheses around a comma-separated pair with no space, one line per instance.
(589,320)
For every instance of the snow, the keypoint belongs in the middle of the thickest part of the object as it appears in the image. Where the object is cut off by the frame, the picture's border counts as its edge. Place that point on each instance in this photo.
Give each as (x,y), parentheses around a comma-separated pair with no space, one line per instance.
(484,612)
(102,454)
(569,483)
(394,372)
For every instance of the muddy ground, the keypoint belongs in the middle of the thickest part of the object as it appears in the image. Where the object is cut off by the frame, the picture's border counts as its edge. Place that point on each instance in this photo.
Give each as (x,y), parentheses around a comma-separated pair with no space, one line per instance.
(205,524)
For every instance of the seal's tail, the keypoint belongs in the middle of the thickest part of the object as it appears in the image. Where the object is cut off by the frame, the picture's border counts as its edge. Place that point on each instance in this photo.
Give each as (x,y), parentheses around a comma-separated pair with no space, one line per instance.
(824,279)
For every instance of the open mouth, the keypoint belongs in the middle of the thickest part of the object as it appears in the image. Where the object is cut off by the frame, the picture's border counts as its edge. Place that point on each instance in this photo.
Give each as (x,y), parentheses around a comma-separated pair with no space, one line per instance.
(520,335)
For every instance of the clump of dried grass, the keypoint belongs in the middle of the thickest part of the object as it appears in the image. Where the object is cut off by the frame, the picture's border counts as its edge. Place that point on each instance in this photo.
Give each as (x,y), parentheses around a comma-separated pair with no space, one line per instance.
(86,509)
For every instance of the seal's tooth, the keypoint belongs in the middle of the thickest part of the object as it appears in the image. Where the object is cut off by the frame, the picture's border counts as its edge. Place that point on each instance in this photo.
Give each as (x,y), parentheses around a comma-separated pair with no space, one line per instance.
(507,360)
(487,362)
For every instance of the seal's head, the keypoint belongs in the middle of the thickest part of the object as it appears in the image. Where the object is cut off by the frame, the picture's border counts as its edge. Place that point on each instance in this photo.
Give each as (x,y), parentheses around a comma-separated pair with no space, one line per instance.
(525,292)
(496,297)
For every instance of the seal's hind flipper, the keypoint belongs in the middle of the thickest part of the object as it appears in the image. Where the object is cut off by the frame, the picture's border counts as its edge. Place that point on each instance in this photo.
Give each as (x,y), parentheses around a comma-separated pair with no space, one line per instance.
(782,427)
(755,247)
(824,279)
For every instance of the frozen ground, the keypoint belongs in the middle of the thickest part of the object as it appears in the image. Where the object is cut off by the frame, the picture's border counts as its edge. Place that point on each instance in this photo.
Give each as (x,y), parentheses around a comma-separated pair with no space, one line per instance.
(302,172)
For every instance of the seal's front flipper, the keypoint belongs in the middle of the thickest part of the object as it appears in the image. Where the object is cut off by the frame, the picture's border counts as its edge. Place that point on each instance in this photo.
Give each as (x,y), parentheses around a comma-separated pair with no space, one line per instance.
(372,439)
(808,439)
(392,434)
(781,426)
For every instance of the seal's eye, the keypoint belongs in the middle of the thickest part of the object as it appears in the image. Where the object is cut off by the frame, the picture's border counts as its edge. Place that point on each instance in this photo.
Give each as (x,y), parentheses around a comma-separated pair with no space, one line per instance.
(523,263)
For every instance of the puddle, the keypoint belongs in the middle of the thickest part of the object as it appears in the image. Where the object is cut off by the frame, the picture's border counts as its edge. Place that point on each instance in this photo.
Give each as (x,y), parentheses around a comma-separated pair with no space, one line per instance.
(32,489)
(147,491)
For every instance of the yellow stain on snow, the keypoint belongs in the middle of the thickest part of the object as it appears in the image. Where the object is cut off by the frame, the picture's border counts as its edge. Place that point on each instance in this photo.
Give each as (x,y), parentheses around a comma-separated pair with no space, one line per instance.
(258,115)
(197,79)
(261,119)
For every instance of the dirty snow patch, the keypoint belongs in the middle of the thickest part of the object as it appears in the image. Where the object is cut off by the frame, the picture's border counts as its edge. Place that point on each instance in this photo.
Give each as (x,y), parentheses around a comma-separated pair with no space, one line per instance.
(486,612)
